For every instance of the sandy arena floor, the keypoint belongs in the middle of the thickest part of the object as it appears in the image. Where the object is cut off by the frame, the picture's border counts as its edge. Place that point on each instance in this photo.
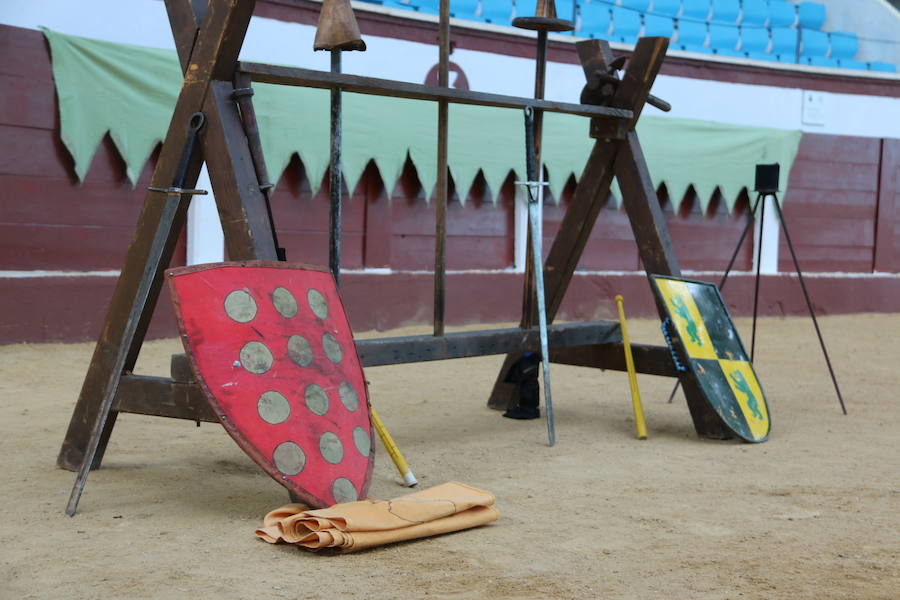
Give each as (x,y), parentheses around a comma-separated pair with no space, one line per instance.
(812,513)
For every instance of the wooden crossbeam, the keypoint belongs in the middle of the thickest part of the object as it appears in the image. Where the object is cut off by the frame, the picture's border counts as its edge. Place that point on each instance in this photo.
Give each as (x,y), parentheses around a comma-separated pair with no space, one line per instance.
(295,76)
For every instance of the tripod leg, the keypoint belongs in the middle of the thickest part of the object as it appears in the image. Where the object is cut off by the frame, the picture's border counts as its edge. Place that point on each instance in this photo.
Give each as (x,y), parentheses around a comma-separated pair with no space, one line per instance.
(726,273)
(812,313)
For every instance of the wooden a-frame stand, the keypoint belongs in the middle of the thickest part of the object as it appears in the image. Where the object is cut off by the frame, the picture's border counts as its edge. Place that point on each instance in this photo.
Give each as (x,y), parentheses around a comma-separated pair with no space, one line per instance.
(208,39)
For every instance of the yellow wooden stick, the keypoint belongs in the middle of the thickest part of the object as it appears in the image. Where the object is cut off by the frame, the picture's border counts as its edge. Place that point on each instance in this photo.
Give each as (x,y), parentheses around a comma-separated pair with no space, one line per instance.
(408,478)
(639,425)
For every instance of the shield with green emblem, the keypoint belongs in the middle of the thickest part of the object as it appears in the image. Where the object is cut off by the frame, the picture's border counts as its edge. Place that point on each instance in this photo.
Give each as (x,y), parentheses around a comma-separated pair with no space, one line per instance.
(703,333)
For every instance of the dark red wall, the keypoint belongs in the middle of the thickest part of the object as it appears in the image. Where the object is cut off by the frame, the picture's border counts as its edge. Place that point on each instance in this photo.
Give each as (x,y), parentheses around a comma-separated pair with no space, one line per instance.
(843,209)
(832,204)
(887,233)
(48,220)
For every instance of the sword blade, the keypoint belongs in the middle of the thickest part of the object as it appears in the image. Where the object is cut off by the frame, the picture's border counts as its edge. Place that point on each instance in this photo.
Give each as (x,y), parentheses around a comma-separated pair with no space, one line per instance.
(534,215)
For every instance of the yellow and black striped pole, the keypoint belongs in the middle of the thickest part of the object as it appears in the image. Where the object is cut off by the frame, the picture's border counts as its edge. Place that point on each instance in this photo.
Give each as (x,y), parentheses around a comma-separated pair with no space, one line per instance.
(639,425)
(408,478)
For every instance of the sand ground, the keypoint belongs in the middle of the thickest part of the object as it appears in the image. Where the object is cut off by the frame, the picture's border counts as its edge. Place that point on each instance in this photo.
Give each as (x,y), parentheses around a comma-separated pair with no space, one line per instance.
(812,513)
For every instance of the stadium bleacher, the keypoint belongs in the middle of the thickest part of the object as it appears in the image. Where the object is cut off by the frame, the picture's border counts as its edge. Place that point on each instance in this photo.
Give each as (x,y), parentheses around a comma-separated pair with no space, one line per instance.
(771,30)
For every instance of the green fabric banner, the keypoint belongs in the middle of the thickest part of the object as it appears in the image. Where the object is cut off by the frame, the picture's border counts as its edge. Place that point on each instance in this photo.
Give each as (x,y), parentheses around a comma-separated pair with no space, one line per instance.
(130,91)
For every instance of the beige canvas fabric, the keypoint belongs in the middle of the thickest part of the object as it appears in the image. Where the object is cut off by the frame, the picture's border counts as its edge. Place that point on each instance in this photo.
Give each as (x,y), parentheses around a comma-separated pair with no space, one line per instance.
(358,525)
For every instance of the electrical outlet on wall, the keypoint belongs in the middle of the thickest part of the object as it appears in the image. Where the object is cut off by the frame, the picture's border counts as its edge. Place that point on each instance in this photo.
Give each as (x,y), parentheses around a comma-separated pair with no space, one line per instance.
(813,108)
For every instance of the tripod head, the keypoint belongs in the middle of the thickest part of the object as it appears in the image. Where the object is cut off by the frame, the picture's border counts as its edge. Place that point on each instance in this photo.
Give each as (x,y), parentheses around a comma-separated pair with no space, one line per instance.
(767,179)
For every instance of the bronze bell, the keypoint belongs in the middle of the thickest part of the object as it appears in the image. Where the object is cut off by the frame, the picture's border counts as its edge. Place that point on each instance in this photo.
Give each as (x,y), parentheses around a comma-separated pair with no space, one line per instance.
(337,29)
(544,19)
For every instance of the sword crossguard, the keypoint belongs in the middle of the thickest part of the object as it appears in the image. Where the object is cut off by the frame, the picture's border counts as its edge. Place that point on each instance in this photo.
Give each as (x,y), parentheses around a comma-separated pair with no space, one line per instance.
(533,186)
(177,190)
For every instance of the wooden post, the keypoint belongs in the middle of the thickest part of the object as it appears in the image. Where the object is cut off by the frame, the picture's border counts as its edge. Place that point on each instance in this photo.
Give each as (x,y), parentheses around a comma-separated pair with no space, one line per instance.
(208,46)
(443,186)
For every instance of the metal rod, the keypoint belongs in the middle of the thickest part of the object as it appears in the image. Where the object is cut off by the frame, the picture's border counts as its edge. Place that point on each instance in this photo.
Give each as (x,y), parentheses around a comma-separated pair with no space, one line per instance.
(440,223)
(335,177)
(761,221)
(154,256)
(540,75)
(295,76)
(812,313)
(535,189)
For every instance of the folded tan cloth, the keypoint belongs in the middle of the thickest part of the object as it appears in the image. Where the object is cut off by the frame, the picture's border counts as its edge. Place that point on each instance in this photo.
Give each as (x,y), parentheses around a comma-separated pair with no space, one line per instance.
(357,525)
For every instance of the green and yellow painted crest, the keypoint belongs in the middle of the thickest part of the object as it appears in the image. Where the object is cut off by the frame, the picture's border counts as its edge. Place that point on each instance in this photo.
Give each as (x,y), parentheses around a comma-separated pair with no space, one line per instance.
(715,354)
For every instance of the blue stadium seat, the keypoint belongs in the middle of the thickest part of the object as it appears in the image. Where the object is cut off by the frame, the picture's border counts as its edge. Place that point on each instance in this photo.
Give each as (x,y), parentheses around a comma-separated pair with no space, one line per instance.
(811,14)
(820,61)
(564,9)
(782,13)
(498,12)
(814,43)
(847,63)
(692,36)
(843,45)
(669,8)
(761,56)
(754,40)
(595,20)
(655,25)
(406,5)
(696,9)
(641,5)
(726,11)
(784,44)
(465,9)
(525,8)
(429,7)
(882,66)
(626,25)
(723,39)
(754,12)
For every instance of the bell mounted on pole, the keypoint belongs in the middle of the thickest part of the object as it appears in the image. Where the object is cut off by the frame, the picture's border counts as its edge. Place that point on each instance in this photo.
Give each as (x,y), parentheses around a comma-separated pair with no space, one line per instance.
(545,19)
(337,29)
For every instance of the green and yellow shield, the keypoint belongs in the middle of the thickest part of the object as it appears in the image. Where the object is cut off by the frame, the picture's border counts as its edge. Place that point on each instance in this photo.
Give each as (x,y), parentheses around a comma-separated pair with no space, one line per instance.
(709,341)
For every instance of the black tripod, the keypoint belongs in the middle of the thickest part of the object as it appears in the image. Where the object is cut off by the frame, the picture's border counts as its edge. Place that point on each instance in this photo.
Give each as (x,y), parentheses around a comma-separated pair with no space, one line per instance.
(767,185)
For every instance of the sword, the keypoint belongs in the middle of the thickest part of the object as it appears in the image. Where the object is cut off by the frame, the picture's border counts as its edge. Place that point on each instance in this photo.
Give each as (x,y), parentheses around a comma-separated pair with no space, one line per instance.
(154,256)
(535,198)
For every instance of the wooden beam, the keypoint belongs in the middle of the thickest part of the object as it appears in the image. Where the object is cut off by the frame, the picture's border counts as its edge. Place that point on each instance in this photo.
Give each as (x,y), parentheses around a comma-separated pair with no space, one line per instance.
(392,351)
(241,203)
(215,52)
(462,344)
(163,397)
(649,360)
(185,18)
(296,76)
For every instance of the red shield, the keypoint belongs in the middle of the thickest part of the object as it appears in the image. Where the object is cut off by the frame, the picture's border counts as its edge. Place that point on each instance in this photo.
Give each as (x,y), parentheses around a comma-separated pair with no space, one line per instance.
(271,347)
